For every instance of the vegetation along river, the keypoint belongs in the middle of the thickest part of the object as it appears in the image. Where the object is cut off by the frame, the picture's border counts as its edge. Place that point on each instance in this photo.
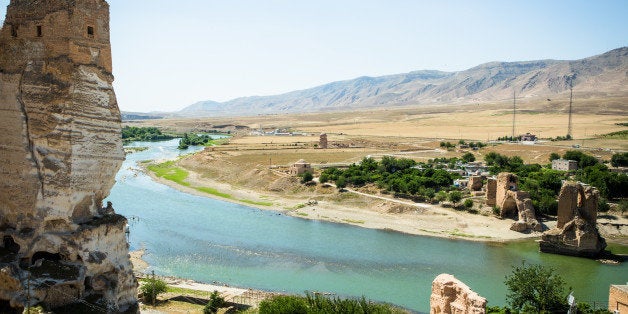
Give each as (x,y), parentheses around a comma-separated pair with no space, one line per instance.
(210,240)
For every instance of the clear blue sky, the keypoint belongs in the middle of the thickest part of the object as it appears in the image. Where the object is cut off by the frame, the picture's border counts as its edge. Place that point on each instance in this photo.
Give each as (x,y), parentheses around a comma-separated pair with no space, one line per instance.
(169,54)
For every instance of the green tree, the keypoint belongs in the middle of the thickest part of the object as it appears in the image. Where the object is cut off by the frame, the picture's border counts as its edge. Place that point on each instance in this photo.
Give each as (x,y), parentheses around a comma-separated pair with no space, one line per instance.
(536,288)
(620,160)
(215,302)
(307,177)
(554,156)
(468,157)
(454,197)
(151,288)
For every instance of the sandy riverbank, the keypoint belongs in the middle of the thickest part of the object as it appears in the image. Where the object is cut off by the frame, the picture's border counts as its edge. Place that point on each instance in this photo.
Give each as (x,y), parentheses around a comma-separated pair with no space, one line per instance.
(412,218)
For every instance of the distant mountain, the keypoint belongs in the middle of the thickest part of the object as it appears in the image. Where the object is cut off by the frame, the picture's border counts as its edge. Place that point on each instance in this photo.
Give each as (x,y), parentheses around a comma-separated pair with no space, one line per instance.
(601,75)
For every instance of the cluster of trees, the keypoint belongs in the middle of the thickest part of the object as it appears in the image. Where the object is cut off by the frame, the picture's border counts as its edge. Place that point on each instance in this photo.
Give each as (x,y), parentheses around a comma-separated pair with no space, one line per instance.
(133,133)
(462,142)
(192,139)
(620,160)
(509,138)
(392,174)
(315,303)
(544,184)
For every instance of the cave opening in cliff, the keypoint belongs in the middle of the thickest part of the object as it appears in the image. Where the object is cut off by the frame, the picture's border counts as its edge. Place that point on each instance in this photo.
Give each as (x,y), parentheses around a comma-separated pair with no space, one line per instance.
(90,31)
(39,32)
(5,307)
(13,31)
(53,257)
(10,245)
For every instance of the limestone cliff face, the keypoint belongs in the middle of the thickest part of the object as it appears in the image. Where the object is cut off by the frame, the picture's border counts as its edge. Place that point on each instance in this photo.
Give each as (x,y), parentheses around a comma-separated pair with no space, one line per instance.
(60,149)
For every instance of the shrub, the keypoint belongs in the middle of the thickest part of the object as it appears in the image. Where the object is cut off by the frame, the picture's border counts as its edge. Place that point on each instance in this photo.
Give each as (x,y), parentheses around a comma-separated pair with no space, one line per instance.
(454,197)
(496,210)
(215,302)
(283,304)
(307,177)
(151,288)
(468,203)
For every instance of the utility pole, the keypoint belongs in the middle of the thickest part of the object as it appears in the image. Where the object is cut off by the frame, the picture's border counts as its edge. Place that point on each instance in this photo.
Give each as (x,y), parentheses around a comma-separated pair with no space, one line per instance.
(570,107)
(514,112)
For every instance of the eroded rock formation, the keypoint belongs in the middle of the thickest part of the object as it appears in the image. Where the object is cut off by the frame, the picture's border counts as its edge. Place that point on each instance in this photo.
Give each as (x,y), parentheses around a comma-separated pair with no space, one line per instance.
(576,231)
(512,203)
(61,149)
(450,295)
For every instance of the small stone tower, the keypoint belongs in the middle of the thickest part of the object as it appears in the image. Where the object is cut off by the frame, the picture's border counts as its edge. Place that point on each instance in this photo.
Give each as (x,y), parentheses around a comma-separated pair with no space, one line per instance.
(60,150)
(322,141)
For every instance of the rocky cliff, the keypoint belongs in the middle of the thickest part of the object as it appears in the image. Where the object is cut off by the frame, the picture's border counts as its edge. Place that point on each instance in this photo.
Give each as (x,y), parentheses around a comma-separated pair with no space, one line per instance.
(61,148)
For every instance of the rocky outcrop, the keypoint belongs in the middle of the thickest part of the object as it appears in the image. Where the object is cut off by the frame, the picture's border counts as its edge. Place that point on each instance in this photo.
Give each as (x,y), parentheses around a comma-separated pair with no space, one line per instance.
(576,231)
(450,295)
(503,192)
(61,148)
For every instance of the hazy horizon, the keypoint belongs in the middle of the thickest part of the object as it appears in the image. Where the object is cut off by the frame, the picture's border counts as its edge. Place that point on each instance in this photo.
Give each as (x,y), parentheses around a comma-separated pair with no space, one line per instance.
(168,55)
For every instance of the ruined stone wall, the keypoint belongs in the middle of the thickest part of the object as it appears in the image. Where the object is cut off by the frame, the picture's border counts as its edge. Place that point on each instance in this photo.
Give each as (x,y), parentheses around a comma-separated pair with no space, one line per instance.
(491,192)
(618,298)
(61,148)
(450,295)
(576,230)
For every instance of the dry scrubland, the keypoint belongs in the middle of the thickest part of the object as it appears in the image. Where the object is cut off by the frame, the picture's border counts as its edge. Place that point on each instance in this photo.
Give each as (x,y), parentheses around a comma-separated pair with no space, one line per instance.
(251,168)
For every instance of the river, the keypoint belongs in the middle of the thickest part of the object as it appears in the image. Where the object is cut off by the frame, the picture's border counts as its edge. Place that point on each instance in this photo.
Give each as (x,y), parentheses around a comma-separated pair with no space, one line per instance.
(210,240)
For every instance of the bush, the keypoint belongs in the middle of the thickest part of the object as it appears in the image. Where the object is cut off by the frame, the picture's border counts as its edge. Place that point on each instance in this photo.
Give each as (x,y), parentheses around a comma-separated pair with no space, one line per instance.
(283,304)
(315,303)
(215,302)
(307,177)
(454,197)
(468,203)
(468,157)
(496,210)
(151,288)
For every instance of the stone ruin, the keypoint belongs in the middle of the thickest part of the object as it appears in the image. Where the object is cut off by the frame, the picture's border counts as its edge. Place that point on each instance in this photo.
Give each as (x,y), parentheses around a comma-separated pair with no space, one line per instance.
(503,193)
(475,183)
(576,230)
(61,149)
(322,141)
(450,295)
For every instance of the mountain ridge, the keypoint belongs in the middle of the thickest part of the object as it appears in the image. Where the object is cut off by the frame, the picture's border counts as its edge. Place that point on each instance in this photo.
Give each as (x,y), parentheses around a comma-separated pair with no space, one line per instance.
(603,74)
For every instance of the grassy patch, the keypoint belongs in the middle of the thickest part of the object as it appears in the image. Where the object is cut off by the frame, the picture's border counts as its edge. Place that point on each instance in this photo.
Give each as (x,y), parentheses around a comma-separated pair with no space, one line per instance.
(212,191)
(169,171)
(298,206)
(619,135)
(303,214)
(260,203)
(352,221)
(457,233)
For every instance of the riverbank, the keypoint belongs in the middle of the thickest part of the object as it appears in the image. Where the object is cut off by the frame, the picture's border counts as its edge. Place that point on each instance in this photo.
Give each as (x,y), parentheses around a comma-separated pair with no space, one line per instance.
(382,212)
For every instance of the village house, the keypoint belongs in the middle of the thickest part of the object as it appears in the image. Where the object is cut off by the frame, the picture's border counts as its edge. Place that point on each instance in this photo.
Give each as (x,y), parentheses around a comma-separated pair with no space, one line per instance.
(300,167)
(564,165)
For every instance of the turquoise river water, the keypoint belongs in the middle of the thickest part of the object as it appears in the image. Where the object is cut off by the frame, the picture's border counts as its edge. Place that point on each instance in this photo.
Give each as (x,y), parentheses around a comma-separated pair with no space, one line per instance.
(210,240)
